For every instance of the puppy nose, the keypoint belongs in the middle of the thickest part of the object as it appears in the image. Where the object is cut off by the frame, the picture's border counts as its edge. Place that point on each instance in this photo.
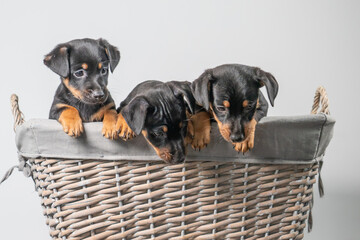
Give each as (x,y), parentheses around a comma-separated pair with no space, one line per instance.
(98,94)
(236,137)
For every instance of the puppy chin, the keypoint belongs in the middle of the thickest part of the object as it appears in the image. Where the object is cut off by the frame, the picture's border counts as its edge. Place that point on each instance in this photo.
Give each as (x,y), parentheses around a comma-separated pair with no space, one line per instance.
(92,101)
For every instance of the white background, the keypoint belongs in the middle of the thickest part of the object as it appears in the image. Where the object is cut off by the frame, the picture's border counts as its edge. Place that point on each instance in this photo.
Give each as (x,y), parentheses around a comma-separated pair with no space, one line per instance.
(303,43)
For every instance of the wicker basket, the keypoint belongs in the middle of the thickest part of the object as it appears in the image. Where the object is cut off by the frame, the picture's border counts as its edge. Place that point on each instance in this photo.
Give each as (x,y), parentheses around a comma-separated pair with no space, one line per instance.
(122,199)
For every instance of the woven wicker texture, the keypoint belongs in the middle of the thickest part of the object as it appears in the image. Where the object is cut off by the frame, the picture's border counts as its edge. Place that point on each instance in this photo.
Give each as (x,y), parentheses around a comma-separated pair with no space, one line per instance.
(195,200)
(94,199)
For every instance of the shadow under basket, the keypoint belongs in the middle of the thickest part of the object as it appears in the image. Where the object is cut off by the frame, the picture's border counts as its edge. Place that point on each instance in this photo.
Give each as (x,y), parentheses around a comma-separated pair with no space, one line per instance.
(94,188)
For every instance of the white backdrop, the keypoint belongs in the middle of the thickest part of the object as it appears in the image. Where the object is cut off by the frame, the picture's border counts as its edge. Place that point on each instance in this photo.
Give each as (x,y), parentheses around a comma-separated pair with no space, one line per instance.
(303,43)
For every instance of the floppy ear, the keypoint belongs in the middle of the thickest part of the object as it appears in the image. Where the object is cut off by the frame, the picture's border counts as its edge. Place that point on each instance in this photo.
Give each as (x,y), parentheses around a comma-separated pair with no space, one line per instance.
(200,89)
(135,113)
(58,60)
(111,52)
(183,90)
(267,79)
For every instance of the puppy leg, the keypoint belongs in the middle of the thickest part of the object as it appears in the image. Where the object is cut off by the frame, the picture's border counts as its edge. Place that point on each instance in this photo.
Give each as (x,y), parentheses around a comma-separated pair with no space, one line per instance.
(248,143)
(108,115)
(70,120)
(109,124)
(190,130)
(123,129)
(201,130)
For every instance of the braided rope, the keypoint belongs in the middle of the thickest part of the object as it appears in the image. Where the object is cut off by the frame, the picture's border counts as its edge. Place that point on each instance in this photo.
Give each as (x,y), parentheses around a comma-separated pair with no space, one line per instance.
(18,115)
(320,98)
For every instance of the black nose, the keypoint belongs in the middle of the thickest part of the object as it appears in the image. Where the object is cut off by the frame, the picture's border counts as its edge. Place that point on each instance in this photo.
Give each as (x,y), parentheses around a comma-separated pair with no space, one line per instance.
(98,94)
(237,137)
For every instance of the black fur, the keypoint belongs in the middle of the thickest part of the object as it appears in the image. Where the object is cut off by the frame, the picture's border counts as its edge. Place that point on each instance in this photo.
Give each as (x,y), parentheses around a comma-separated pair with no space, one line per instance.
(68,58)
(235,83)
(151,105)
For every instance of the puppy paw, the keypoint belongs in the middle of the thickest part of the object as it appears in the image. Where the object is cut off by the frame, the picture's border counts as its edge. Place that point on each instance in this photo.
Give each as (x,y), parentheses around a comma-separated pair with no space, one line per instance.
(123,130)
(201,130)
(71,122)
(109,130)
(109,125)
(201,140)
(248,143)
(245,145)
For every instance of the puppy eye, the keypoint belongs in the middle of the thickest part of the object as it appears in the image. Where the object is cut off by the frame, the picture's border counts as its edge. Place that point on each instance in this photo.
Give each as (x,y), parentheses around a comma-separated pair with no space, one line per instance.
(79,73)
(220,108)
(104,71)
(158,134)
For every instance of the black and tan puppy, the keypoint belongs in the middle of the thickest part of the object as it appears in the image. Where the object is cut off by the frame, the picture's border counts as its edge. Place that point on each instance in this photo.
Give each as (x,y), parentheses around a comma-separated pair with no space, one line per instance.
(231,94)
(160,111)
(83,66)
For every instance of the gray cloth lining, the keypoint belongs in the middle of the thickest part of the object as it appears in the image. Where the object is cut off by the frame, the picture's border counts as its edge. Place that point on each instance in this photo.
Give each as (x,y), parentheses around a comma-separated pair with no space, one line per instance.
(285,140)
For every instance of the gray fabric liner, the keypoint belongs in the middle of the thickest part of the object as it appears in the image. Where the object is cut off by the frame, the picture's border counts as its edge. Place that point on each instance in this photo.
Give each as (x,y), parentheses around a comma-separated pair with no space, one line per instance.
(286,140)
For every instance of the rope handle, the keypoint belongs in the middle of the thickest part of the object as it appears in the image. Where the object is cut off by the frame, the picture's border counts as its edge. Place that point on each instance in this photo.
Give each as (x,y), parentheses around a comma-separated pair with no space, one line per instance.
(18,115)
(320,98)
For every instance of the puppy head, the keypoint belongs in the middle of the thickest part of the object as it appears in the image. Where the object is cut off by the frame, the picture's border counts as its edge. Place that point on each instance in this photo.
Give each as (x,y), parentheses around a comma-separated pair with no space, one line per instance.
(232,92)
(160,114)
(83,66)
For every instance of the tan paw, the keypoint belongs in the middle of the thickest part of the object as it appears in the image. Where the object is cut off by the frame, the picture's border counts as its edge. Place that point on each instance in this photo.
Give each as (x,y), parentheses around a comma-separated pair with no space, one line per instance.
(109,125)
(123,129)
(201,140)
(109,130)
(71,122)
(245,145)
(201,131)
(248,143)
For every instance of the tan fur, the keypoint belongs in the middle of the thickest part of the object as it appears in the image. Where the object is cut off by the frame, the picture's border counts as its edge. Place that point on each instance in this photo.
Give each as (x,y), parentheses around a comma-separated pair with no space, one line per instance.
(125,132)
(73,90)
(200,123)
(70,120)
(248,143)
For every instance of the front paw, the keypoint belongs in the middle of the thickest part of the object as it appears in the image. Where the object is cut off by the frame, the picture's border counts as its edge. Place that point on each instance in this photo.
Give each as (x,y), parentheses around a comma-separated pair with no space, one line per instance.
(73,127)
(248,143)
(245,145)
(201,139)
(123,130)
(109,130)
(201,130)
(109,125)
(71,121)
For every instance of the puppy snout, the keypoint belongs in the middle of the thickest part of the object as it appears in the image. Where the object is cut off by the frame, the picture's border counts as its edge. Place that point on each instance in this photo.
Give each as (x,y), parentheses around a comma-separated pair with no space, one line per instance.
(97,94)
(237,137)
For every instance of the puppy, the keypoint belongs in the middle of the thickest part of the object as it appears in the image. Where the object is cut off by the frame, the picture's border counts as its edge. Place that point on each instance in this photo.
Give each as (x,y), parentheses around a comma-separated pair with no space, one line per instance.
(83,66)
(231,94)
(160,111)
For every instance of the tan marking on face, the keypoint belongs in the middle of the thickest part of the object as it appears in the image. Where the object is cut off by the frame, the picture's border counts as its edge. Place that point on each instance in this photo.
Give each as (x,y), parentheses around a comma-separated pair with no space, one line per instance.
(257,104)
(63,50)
(73,90)
(100,65)
(84,66)
(245,103)
(223,128)
(226,103)
(47,58)
(99,115)
(144,133)
(163,153)
(180,125)
(165,128)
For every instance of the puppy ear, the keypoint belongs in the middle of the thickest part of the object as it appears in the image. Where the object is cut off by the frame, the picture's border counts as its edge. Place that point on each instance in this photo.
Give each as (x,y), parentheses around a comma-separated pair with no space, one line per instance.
(111,52)
(183,90)
(267,79)
(58,60)
(135,113)
(201,88)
